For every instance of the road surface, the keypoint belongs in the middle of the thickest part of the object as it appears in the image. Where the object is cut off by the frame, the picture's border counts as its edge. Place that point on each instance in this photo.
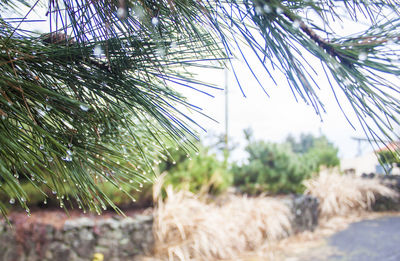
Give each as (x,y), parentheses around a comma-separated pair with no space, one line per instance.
(368,240)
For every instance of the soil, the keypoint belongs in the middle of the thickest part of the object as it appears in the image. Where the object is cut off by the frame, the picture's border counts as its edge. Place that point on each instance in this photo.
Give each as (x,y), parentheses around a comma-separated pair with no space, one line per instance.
(57,217)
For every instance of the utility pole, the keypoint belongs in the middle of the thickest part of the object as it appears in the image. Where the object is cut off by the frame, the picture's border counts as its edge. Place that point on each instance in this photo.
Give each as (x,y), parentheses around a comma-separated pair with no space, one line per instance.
(226,150)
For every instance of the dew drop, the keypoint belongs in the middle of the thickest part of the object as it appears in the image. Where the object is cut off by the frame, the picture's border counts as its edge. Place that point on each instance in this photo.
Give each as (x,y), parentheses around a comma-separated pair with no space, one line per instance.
(84,107)
(174,45)
(41,147)
(54,192)
(258,10)
(154,21)
(141,185)
(362,56)
(45,201)
(296,24)
(122,13)
(67,158)
(98,51)
(40,113)
(12,200)
(161,53)
(267,9)
(69,152)
(279,10)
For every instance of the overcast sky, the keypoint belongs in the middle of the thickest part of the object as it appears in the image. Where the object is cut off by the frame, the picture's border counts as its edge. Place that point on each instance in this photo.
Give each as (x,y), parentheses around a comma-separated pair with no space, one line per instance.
(273,118)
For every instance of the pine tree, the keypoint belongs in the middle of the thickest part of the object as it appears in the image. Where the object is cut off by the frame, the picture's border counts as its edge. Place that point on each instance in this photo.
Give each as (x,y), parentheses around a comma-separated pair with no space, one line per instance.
(93,99)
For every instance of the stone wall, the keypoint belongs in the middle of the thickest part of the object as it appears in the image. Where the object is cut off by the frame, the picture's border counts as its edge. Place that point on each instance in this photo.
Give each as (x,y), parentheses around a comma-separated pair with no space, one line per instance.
(78,240)
(385,203)
(113,239)
(304,210)
(305,213)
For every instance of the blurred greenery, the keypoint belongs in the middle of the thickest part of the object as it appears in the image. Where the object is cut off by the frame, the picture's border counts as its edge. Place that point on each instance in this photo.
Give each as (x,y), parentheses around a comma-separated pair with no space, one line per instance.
(202,172)
(270,167)
(281,168)
(389,159)
(318,150)
(124,196)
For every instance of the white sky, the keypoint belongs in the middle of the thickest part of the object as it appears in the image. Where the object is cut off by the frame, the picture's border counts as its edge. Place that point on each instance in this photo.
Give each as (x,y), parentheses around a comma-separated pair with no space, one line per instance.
(272,118)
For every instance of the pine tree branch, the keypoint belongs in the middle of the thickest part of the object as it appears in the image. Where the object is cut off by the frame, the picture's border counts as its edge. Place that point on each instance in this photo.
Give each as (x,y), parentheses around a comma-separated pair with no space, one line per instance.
(323,43)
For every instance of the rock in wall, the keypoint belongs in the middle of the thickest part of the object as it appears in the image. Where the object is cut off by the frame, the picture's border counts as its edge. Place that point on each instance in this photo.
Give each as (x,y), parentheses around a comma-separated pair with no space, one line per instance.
(304,210)
(385,203)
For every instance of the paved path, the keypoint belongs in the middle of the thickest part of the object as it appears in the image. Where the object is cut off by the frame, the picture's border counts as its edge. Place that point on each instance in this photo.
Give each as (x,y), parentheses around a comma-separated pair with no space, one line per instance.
(368,240)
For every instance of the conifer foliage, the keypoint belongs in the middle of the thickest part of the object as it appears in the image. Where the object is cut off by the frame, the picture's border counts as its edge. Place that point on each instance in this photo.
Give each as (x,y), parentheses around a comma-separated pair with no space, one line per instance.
(93,100)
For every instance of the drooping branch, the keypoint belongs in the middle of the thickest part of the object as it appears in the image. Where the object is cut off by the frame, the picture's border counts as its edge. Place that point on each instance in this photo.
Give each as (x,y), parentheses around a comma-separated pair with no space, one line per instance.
(324,44)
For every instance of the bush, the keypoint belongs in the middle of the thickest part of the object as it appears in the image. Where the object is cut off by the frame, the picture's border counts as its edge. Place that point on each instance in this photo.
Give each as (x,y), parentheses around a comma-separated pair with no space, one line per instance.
(142,195)
(340,195)
(281,168)
(317,151)
(271,167)
(200,173)
(389,159)
(188,228)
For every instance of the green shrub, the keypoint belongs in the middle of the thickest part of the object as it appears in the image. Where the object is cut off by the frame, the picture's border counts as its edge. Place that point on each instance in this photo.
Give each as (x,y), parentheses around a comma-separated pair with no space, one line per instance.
(281,168)
(317,151)
(271,168)
(323,154)
(199,173)
(140,197)
(389,159)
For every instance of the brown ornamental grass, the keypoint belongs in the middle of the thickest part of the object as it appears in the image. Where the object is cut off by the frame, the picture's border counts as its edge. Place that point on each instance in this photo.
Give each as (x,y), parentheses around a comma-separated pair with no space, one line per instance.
(187,227)
(341,195)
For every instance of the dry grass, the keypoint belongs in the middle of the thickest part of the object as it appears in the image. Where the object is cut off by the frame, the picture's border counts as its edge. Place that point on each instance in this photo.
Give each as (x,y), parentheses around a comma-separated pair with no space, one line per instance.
(188,228)
(341,195)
